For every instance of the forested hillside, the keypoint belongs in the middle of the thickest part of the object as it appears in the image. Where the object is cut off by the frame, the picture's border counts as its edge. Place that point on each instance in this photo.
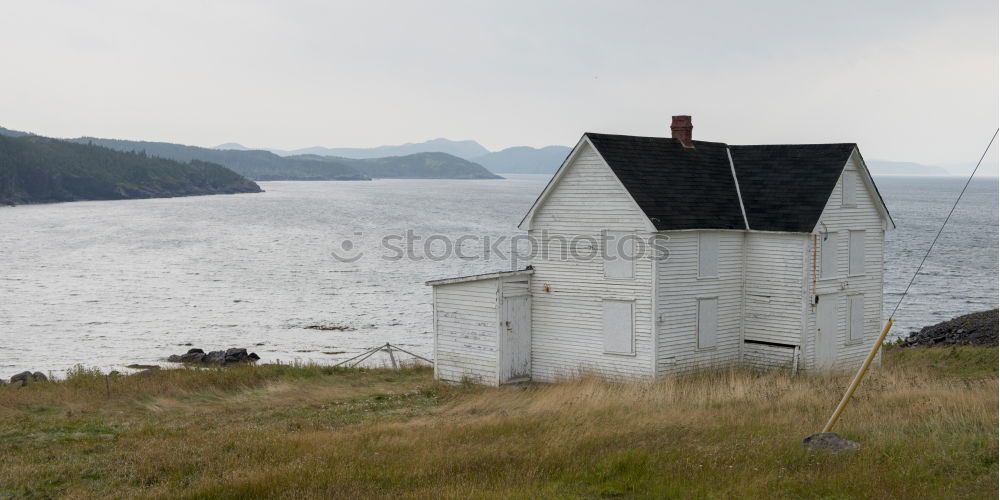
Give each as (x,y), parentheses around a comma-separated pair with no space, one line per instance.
(36,169)
(414,166)
(254,164)
(263,165)
(461,149)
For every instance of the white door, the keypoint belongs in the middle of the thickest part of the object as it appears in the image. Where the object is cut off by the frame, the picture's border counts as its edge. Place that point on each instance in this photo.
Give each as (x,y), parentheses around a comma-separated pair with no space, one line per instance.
(515,339)
(826,330)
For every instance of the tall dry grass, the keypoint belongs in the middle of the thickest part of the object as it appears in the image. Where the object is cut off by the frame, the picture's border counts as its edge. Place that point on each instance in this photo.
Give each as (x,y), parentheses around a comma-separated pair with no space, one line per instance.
(927,422)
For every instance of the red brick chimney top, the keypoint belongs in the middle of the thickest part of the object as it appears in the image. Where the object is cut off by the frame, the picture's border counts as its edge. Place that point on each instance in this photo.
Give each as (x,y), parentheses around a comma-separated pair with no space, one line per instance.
(680,129)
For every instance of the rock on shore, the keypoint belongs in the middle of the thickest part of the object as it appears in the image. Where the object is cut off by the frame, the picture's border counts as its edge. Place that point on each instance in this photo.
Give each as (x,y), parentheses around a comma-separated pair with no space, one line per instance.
(976,329)
(227,357)
(24,378)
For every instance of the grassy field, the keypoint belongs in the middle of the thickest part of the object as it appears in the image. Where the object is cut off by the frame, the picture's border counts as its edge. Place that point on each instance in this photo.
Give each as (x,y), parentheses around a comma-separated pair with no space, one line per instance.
(927,422)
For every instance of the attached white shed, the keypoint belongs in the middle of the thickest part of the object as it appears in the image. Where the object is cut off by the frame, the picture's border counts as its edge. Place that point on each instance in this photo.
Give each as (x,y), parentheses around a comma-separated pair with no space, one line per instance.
(482,328)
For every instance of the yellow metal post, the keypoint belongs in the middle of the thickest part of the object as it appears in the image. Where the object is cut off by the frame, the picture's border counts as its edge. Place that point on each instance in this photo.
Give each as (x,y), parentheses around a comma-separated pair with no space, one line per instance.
(857,378)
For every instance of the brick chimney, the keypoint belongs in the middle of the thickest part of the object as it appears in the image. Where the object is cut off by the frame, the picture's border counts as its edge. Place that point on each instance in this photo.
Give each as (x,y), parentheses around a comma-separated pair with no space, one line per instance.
(680,129)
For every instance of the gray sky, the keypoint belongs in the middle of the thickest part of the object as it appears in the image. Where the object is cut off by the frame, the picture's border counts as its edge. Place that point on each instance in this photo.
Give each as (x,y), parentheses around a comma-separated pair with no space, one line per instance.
(909,80)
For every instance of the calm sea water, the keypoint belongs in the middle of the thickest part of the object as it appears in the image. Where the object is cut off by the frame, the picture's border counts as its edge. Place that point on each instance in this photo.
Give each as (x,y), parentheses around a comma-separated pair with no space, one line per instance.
(112,283)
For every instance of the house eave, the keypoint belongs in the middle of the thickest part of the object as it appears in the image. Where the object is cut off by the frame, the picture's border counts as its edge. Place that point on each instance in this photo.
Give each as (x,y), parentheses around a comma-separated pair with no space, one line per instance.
(478,277)
(526,222)
(869,183)
(728,230)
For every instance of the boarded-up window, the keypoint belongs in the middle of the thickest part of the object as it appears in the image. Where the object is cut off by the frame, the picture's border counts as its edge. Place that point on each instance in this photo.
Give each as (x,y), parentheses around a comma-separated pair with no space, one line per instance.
(856,253)
(618,254)
(850,188)
(828,255)
(708,255)
(617,316)
(708,322)
(856,328)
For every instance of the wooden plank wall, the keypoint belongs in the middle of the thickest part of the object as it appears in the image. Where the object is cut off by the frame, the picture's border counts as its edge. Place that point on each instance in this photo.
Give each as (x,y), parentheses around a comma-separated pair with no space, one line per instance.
(678,292)
(567,336)
(774,287)
(466,331)
(839,220)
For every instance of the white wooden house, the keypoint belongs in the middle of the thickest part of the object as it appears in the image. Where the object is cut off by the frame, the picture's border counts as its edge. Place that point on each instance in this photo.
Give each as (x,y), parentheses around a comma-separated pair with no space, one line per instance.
(774,257)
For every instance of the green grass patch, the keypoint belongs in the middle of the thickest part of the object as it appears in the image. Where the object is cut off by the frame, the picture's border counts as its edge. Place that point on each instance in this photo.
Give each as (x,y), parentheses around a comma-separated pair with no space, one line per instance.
(949,361)
(926,419)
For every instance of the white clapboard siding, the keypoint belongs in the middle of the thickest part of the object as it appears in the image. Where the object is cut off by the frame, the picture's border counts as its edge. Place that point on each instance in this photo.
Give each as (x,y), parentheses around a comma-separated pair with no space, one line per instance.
(836,218)
(763,356)
(774,287)
(678,289)
(513,287)
(567,293)
(465,322)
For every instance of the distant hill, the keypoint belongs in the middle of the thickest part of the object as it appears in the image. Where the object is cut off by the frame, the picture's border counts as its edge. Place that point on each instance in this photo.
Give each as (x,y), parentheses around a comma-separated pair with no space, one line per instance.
(13,133)
(885,167)
(525,160)
(414,166)
(36,169)
(266,166)
(255,164)
(516,160)
(396,160)
(461,149)
(232,145)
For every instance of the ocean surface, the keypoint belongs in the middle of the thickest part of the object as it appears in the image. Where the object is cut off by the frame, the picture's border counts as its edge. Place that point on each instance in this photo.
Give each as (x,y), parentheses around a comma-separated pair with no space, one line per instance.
(320,271)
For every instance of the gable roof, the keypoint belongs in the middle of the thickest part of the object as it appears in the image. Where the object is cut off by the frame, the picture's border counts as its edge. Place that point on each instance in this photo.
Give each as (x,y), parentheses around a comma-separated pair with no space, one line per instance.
(677,187)
(713,185)
(786,187)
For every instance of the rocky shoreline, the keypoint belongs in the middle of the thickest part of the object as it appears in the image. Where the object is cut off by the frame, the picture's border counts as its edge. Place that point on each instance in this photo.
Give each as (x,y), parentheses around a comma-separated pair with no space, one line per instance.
(235,355)
(227,357)
(26,377)
(979,329)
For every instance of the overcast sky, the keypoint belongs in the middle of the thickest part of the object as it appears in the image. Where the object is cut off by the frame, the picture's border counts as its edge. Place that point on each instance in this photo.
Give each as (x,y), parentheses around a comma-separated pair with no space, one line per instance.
(909,80)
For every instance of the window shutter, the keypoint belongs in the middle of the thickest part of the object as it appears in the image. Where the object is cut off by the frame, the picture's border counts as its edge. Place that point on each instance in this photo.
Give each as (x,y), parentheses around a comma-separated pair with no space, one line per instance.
(708,322)
(619,252)
(850,188)
(857,314)
(828,255)
(708,255)
(617,319)
(856,253)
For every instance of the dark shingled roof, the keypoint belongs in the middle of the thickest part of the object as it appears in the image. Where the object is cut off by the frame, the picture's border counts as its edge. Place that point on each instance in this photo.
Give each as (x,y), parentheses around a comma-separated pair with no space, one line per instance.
(677,187)
(784,187)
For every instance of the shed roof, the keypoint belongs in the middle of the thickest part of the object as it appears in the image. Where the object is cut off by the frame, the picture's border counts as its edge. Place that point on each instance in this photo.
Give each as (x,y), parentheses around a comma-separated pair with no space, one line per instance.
(478,277)
(783,187)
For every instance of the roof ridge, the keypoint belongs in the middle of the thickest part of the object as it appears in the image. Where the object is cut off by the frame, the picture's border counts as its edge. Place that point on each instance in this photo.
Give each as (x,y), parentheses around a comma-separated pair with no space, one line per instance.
(676,187)
(794,145)
(739,194)
(720,143)
(653,137)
